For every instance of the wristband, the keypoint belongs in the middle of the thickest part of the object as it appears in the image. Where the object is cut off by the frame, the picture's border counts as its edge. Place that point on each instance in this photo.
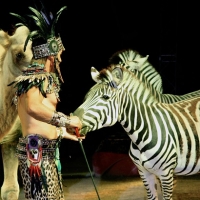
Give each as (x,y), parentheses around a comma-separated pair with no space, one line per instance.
(60,120)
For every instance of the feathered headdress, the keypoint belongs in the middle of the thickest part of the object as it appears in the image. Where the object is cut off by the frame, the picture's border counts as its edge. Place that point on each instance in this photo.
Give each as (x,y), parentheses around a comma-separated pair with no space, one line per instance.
(46,30)
(42,32)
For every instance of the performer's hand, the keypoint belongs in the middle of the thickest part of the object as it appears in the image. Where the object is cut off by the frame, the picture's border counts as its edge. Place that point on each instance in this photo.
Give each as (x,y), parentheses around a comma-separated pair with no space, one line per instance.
(70,134)
(75,122)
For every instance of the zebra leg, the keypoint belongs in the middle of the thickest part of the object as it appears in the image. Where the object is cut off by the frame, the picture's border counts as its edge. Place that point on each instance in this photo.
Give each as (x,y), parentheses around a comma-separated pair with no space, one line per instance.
(150,183)
(167,184)
(10,187)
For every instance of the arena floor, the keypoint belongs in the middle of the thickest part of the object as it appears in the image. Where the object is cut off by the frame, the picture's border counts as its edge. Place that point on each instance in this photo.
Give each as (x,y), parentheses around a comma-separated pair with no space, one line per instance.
(78,185)
(123,188)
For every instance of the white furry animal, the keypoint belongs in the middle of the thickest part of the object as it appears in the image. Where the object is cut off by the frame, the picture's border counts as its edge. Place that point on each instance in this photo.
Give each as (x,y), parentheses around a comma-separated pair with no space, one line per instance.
(12,60)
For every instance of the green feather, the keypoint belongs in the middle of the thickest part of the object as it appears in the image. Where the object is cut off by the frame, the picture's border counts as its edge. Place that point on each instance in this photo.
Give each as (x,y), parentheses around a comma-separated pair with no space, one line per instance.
(40,17)
(40,25)
(56,19)
(30,36)
(42,89)
(19,16)
(11,83)
(20,24)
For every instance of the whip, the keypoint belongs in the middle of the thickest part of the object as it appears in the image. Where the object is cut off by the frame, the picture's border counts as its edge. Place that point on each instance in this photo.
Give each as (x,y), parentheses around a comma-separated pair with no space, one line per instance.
(80,142)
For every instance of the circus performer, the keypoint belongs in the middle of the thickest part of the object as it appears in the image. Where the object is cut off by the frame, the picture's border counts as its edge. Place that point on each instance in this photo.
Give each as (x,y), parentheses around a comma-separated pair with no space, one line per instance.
(36,98)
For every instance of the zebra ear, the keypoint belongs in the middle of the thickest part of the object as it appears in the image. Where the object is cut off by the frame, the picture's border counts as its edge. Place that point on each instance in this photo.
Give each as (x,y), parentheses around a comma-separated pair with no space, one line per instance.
(95,74)
(140,62)
(117,75)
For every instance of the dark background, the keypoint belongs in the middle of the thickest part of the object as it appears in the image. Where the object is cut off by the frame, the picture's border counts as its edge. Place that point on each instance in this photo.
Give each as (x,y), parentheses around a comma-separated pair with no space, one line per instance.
(93,30)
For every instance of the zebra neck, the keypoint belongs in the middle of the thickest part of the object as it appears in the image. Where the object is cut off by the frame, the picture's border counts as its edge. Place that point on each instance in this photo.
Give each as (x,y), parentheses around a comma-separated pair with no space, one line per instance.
(129,115)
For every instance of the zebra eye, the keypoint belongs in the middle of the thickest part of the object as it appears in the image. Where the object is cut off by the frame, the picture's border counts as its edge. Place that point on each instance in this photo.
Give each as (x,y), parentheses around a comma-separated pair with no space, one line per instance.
(106,97)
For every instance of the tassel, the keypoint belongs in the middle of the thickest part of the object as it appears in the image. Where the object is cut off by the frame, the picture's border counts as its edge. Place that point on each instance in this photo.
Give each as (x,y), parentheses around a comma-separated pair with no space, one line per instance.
(34,155)
(57,160)
(36,180)
(44,179)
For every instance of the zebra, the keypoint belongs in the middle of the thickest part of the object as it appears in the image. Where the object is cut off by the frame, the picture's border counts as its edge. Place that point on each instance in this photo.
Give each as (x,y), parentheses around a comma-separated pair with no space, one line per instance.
(138,64)
(145,72)
(165,138)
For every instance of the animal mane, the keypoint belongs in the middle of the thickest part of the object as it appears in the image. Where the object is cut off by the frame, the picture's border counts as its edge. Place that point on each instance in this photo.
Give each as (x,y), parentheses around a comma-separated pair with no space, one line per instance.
(135,62)
(116,58)
(146,73)
(102,73)
(130,83)
(129,77)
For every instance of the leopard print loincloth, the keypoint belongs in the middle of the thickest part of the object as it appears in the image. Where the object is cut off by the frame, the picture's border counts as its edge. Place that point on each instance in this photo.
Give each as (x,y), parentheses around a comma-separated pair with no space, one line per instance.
(49,169)
(55,190)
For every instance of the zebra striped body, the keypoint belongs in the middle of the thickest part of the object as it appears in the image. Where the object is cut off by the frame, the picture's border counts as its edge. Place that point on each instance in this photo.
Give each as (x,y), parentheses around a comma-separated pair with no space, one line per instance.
(165,137)
(145,72)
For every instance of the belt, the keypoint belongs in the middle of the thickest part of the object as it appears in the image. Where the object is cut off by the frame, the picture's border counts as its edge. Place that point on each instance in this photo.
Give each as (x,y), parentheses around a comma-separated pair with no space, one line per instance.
(48,147)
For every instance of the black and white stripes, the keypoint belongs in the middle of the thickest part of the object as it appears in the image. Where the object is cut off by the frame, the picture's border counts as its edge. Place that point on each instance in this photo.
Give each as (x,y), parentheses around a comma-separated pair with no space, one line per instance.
(145,72)
(165,137)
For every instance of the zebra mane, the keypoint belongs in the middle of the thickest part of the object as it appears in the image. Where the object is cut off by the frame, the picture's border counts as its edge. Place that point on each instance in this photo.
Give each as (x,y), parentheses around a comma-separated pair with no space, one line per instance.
(107,75)
(103,73)
(129,81)
(132,78)
(138,64)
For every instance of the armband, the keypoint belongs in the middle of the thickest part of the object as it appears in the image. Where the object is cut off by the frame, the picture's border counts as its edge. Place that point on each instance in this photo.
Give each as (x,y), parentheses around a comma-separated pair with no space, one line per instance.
(60,120)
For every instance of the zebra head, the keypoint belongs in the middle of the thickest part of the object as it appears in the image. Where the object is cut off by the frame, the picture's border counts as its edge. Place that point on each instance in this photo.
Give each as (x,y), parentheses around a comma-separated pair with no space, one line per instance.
(139,65)
(129,59)
(101,103)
